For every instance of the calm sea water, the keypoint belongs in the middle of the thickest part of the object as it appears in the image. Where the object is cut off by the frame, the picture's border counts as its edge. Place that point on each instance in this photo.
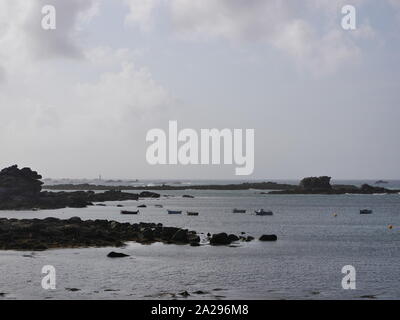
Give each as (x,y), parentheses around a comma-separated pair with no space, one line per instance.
(305,262)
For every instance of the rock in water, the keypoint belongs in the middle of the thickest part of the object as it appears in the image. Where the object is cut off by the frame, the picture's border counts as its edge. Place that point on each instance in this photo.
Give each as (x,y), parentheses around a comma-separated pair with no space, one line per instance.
(316,183)
(268,237)
(180,236)
(220,239)
(113,254)
(148,194)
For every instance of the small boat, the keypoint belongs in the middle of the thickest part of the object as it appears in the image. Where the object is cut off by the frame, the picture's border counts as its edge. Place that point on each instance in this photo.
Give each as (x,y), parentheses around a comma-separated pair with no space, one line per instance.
(365,211)
(239,210)
(174,212)
(158,205)
(142,206)
(129,212)
(262,212)
(192,213)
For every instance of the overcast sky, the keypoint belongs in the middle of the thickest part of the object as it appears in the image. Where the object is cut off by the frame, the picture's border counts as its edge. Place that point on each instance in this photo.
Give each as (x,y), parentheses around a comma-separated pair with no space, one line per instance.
(78,101)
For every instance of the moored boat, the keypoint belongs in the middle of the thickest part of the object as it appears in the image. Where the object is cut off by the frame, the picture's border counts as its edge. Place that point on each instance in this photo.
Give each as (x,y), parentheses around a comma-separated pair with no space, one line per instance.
(129,212)
(262,212)
(365,211)
(239,210)
(192,213)
(174,212)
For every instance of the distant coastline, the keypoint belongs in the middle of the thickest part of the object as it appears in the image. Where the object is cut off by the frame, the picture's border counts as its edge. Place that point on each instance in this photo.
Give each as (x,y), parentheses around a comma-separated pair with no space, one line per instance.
(314,187)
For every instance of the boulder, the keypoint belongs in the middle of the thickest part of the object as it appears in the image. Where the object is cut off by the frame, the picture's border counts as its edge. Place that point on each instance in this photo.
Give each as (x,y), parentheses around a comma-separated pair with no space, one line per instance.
(113,254)
(233,238)
(220,239)
(268,237)
(180,236)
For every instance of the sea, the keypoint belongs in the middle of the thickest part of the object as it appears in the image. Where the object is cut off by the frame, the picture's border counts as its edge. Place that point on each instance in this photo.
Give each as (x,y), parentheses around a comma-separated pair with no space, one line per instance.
(318,235)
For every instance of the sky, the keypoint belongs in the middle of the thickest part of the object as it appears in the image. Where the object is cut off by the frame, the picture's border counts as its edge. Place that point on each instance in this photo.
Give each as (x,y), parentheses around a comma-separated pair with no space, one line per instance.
(78,101)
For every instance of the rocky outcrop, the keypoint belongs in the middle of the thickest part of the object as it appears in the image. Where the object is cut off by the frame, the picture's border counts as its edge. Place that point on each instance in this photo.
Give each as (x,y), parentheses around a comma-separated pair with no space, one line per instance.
(19,182)
(36,234)
(21,189)
(316,183)
(321,185)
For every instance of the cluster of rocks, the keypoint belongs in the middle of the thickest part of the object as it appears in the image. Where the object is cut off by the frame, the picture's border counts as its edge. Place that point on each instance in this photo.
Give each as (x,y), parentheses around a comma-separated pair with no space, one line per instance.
(42,234)
(322,185)
(225,239)
(21,189)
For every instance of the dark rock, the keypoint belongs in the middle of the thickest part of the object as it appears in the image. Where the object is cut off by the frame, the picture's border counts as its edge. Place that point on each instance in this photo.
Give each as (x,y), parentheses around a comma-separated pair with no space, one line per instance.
(200,292)
(220,239)
(148,194)
(187,196)
(75,220)
(180,236)
(194,244)
(168,232)
(316,183)
(268,237)
(113,254)
(19,182)
(233,238)
(142,206)
(249,238)
(148,234)
(185,294)
(193,237)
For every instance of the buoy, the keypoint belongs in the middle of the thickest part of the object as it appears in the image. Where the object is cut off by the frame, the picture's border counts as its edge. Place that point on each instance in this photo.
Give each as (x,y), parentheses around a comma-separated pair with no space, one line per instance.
(335,215)
(390,227)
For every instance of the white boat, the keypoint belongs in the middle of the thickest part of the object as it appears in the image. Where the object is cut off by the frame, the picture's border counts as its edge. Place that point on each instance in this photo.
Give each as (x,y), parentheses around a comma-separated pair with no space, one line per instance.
(158,205)
(365,211)
(262,212)
(239,210)
(192,213)
(174,212)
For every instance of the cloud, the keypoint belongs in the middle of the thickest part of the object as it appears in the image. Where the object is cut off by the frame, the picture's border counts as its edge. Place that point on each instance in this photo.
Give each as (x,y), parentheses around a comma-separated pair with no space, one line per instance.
(288,26)
(21,28)
(141,12)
